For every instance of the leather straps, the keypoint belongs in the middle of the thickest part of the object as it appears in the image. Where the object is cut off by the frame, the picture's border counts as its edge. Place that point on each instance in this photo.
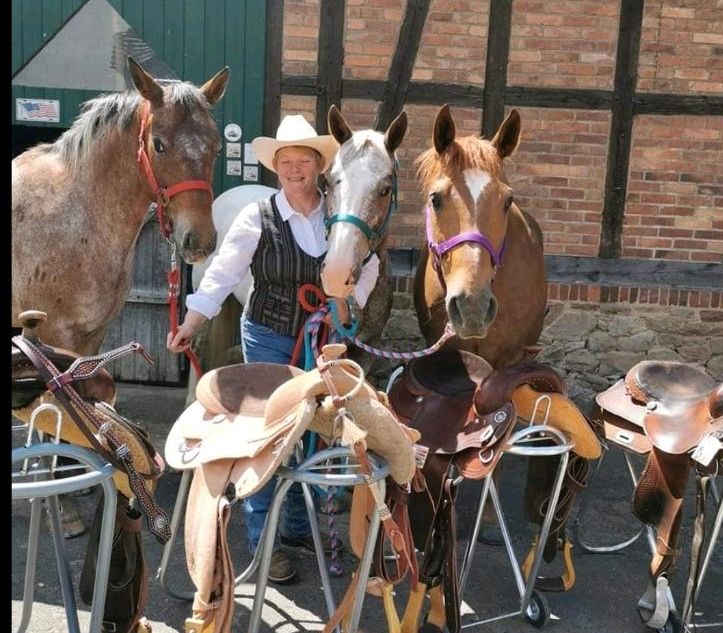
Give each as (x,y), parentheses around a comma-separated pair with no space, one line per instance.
(99,433)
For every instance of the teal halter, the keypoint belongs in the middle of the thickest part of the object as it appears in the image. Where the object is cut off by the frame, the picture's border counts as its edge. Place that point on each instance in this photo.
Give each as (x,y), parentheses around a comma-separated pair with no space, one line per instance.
(374,236)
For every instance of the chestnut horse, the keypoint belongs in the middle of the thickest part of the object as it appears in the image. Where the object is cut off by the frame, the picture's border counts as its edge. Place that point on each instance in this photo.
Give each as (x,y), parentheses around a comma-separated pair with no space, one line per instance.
(360,201)
(78,205)
(483,270)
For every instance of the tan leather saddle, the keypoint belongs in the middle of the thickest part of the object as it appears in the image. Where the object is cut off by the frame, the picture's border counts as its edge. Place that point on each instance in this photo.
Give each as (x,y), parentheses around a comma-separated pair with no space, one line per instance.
(667,410)
(465,411)
(245,423)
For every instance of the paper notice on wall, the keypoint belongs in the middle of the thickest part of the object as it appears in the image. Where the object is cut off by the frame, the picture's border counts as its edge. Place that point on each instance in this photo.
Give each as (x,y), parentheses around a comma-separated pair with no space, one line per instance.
(250,155)
(251,173)
(233,167)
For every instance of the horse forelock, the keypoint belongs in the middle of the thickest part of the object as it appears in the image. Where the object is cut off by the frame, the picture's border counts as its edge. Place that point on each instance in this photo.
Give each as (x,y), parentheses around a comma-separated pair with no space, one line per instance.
(115,112)
(360,144)
(467,152)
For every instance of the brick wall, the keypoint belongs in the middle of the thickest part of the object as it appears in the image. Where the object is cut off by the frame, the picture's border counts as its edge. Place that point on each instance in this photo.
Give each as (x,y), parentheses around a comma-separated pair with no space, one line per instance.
(682,47)
(370,37)
(558,175)
(674,206)
(563,44)
(454,43)
(675,193)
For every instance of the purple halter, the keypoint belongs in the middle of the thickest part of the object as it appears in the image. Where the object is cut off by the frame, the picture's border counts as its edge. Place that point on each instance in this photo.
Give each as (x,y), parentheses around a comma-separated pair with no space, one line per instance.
(438,250)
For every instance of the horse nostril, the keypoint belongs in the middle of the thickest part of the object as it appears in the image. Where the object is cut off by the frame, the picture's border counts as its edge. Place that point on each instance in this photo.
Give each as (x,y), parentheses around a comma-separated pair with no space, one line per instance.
(188,243)
(455,314)
(491,310)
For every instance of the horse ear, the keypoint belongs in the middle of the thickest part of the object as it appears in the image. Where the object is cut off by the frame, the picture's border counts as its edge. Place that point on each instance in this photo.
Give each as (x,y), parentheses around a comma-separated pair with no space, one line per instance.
(394,135)
(337,125)
(214,88)
(444,130)
(508,134)
(145,84)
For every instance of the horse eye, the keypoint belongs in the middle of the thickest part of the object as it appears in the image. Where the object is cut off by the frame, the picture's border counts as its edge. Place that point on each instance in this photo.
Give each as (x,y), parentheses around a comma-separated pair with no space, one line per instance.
(436,200)
(158,145)
(508,202)
(384,192)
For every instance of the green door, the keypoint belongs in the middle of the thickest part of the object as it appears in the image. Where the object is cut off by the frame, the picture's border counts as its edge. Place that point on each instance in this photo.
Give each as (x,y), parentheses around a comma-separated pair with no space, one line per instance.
(192,40)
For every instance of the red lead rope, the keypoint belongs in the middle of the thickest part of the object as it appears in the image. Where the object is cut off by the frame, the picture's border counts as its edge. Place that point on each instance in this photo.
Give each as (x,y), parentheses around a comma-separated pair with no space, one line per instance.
(174,278)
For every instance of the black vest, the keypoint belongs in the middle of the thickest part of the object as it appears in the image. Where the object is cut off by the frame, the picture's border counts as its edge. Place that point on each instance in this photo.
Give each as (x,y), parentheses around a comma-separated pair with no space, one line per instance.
(279,268)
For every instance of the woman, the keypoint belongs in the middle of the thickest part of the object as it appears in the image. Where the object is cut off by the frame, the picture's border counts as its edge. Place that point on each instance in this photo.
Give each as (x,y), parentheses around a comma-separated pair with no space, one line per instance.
(283,241)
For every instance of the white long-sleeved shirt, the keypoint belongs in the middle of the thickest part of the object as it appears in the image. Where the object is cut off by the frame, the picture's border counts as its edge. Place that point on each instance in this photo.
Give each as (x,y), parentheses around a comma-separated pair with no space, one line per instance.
(233,259)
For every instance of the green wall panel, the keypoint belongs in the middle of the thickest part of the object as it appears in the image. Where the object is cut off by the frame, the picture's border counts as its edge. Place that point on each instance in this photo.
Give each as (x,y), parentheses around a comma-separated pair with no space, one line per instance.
(195,38)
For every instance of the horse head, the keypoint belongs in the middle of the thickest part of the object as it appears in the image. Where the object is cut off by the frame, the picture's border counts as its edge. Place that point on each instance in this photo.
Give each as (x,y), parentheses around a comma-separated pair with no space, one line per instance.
(468,203)
(178,144)
(361,196)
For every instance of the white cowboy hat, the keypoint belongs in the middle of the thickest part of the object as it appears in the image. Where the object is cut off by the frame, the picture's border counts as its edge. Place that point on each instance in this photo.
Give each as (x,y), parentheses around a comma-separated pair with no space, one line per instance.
(294,130)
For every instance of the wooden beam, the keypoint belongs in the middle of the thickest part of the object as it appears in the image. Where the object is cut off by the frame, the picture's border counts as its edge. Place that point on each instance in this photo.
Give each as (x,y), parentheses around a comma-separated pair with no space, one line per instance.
(567,269)
(468,95)
(273,80)
(498,52)
(568,98)
(330,59)
(621,128)
(400,70)
(651,103)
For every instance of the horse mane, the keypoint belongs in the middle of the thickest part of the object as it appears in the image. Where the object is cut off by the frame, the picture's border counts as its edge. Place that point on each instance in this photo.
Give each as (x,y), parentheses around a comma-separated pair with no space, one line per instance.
(466,152)
(108,112)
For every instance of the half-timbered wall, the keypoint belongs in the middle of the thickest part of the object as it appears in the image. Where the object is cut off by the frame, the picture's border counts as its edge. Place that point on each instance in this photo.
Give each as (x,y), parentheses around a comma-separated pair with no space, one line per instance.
(621,151)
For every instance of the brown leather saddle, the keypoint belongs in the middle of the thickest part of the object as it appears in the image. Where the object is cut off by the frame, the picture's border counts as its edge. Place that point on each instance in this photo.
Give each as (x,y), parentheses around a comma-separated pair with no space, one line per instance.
(465,412)
(671,412)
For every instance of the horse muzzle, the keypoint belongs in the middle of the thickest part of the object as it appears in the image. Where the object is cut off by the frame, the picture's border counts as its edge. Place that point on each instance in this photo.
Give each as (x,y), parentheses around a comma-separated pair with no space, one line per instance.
(472,314)
(339,280)
(195,251)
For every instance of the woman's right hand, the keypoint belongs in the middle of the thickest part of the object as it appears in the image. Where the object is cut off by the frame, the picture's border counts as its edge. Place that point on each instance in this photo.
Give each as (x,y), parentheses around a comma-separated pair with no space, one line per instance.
(181,340)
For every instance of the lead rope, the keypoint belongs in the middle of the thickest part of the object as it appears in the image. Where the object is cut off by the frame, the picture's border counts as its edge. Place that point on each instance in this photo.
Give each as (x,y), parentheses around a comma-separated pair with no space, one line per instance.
(174,278)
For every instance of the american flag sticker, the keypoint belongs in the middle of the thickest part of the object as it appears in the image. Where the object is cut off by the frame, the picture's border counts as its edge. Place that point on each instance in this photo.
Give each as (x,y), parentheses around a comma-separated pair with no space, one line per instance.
(41,110)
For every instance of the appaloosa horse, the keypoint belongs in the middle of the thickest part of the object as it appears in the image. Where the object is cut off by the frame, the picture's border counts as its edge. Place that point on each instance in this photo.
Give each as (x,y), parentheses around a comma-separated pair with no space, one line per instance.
(483,269)
(78,205)
(361,198)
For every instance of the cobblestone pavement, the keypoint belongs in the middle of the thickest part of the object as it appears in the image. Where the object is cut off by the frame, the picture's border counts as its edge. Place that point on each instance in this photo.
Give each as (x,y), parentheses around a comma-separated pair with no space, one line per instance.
(602,600)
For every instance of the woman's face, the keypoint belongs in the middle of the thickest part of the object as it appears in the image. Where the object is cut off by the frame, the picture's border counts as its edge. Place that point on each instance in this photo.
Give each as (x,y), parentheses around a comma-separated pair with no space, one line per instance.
(298,168)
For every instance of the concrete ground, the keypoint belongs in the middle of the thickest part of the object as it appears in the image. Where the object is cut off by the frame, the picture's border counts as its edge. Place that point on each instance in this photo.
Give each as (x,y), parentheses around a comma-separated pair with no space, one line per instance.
(602,600)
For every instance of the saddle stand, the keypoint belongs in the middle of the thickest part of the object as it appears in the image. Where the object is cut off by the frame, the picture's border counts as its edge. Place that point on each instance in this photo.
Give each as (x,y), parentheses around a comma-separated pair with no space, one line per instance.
(480,407)
(670,413)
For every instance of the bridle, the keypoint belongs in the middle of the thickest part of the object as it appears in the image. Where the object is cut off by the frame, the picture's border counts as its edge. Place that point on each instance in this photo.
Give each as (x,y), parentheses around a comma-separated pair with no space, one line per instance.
(438,250)
(163,198)
(374,236)
(163,194)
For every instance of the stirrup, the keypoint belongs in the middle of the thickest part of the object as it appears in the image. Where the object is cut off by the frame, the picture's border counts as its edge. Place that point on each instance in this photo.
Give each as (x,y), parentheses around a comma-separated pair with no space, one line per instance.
(552,583)
(653,606)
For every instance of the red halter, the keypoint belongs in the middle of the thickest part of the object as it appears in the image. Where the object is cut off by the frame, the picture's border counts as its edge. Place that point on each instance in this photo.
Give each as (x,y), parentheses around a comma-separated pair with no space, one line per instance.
(163,194)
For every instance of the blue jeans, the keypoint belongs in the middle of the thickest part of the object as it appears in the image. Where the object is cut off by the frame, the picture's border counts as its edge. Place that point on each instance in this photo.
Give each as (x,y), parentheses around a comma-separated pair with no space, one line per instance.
(262,344)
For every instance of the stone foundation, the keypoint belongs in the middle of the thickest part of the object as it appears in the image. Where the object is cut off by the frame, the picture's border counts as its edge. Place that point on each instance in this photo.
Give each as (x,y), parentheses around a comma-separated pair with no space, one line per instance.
(593,344)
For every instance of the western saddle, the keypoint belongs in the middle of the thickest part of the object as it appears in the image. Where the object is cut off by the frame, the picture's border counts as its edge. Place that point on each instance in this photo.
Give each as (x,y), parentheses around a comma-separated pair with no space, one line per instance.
(673,413)
(465,412)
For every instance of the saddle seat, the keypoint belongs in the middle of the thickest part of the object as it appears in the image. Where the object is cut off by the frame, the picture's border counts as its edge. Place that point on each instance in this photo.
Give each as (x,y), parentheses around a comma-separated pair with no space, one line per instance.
(671,403)
(436,395)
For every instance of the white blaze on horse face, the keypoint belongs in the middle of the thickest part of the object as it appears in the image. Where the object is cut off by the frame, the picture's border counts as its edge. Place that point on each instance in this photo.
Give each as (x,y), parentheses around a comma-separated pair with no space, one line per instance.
(476,181)
(355,176)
